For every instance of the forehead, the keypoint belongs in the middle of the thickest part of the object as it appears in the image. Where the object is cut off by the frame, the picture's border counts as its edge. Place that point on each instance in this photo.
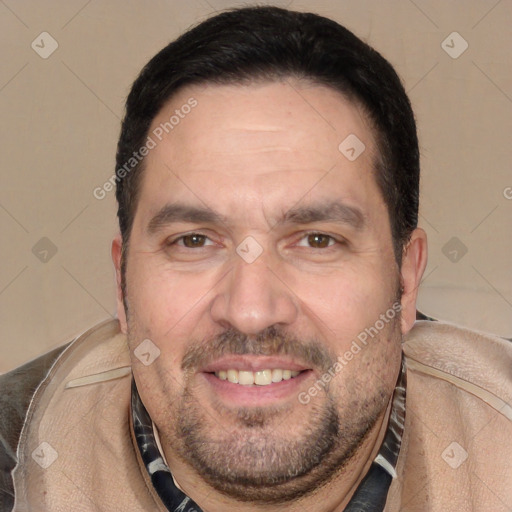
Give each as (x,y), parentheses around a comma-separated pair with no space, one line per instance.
(272,138)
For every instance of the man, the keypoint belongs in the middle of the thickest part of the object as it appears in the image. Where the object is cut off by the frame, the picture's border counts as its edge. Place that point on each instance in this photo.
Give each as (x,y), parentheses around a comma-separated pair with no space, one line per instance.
(266,355)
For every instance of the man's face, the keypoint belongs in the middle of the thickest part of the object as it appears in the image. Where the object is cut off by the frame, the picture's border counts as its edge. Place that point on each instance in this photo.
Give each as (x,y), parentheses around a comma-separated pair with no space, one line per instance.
(258,245)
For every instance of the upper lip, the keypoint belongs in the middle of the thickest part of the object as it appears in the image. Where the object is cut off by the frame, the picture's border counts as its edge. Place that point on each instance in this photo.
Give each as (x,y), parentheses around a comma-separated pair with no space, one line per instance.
(253,363)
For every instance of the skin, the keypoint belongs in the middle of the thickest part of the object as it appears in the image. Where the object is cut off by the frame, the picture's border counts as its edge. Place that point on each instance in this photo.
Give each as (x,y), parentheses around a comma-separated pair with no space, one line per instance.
(252,154)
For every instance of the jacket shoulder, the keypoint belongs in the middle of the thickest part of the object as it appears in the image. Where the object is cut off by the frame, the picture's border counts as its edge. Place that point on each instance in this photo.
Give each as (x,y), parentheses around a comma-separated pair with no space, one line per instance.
(475,361)
(17,388)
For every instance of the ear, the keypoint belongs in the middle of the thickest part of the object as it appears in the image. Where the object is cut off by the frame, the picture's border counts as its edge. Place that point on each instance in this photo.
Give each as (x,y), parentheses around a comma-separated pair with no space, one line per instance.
(117,247)
(414,261)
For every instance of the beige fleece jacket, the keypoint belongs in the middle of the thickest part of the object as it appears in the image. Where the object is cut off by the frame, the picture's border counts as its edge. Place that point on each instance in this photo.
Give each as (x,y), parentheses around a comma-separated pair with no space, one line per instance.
(76,452)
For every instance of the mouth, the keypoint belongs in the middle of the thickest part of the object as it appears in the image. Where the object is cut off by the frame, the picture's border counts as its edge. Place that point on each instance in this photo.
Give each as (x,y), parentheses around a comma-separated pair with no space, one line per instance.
(245,381)
(259,378)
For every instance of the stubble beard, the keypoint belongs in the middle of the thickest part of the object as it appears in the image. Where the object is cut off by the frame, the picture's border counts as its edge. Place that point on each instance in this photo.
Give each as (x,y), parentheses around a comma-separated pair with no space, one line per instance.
(258,455)
(256,459)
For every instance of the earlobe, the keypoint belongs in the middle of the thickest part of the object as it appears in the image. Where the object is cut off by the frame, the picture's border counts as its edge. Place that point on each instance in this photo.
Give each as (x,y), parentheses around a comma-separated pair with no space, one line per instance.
(117,251)
(414,261)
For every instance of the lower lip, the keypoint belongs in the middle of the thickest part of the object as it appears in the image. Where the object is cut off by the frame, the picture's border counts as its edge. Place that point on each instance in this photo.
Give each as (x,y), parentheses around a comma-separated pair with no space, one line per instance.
(255,395)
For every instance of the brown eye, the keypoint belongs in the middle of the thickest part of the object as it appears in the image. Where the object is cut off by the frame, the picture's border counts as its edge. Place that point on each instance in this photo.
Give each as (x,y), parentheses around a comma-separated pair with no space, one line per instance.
(319,241)
(194,240)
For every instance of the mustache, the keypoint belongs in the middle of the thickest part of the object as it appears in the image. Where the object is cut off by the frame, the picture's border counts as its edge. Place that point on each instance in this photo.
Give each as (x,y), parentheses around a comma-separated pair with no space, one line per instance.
(269,342)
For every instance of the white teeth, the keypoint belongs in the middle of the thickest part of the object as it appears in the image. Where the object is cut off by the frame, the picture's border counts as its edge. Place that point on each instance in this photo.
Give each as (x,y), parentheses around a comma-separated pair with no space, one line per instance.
(245,378)
(260,378)
(277,375)
(263,378)
(232,376)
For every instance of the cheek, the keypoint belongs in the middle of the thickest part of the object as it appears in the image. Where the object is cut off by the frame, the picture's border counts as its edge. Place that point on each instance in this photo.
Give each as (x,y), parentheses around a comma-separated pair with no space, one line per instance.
(346,301)
(164,302)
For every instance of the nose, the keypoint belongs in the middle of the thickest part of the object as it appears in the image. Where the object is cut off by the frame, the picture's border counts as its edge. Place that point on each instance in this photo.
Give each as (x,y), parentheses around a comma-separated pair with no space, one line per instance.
(253,297)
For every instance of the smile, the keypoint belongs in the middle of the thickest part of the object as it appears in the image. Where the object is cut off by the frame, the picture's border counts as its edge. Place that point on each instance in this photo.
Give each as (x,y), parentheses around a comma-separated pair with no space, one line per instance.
(259,378)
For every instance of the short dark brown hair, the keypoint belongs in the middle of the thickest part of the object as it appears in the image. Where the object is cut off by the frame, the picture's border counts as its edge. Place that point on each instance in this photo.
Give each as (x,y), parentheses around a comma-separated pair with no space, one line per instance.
(269,43)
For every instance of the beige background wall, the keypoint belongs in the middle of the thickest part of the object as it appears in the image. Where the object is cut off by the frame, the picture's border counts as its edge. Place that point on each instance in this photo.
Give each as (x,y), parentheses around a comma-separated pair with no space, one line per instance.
(60,122)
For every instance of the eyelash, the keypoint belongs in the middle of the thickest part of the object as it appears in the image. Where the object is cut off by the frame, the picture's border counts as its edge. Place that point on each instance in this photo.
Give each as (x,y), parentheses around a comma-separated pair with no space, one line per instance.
(176,241)
(332,240)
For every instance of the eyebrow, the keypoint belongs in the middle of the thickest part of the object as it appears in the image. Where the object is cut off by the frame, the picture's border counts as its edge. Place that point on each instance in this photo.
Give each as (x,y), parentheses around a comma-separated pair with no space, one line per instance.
(334,211)
(175,212)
